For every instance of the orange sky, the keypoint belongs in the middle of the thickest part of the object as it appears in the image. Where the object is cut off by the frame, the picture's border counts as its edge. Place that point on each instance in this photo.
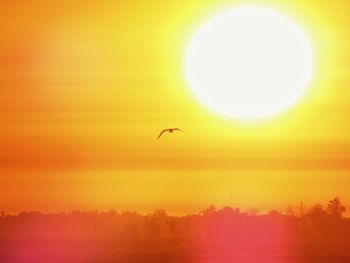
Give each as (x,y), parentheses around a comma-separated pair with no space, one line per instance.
(87,85)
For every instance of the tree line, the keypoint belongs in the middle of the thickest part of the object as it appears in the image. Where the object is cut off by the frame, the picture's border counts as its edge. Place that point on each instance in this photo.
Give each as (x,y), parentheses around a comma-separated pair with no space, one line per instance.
(315,230)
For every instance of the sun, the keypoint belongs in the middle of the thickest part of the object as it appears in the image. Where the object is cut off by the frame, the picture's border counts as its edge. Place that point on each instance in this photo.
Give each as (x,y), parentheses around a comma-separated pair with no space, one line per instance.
(248,63)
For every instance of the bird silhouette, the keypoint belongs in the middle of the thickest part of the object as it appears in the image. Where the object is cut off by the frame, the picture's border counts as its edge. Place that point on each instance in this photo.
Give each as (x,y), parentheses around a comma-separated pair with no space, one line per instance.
(170,130)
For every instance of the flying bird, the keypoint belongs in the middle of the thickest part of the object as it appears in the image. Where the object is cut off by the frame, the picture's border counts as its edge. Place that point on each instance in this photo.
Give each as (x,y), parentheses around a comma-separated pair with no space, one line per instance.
(170,130)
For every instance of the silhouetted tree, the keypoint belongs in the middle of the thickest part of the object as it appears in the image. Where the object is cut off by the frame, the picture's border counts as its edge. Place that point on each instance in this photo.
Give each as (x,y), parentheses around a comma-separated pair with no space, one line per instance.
(290,211)
(317,212)
(335,208)
(252,211)
(209,211)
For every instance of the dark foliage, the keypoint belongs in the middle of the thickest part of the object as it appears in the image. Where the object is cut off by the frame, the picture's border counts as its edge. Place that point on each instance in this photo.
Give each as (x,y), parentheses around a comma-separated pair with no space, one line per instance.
(317,234)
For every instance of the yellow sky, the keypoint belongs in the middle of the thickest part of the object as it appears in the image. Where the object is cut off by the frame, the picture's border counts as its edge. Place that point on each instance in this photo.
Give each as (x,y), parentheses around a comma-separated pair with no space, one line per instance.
(87,85)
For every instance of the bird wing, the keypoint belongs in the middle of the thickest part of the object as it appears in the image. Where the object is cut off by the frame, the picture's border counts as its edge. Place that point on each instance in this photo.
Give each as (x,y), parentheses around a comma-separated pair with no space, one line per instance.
(162,133)
(177,129)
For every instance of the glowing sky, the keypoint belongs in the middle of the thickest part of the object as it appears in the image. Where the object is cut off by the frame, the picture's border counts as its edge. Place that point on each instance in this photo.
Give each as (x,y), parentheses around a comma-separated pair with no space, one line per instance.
(87,85)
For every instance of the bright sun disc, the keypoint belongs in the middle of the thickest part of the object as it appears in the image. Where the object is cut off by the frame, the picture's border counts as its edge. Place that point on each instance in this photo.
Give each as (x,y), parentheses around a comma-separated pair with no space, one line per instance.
(248,63)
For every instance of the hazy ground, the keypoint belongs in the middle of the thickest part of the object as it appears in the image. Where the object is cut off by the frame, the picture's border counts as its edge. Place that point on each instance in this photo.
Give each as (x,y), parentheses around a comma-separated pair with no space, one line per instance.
(74,251)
